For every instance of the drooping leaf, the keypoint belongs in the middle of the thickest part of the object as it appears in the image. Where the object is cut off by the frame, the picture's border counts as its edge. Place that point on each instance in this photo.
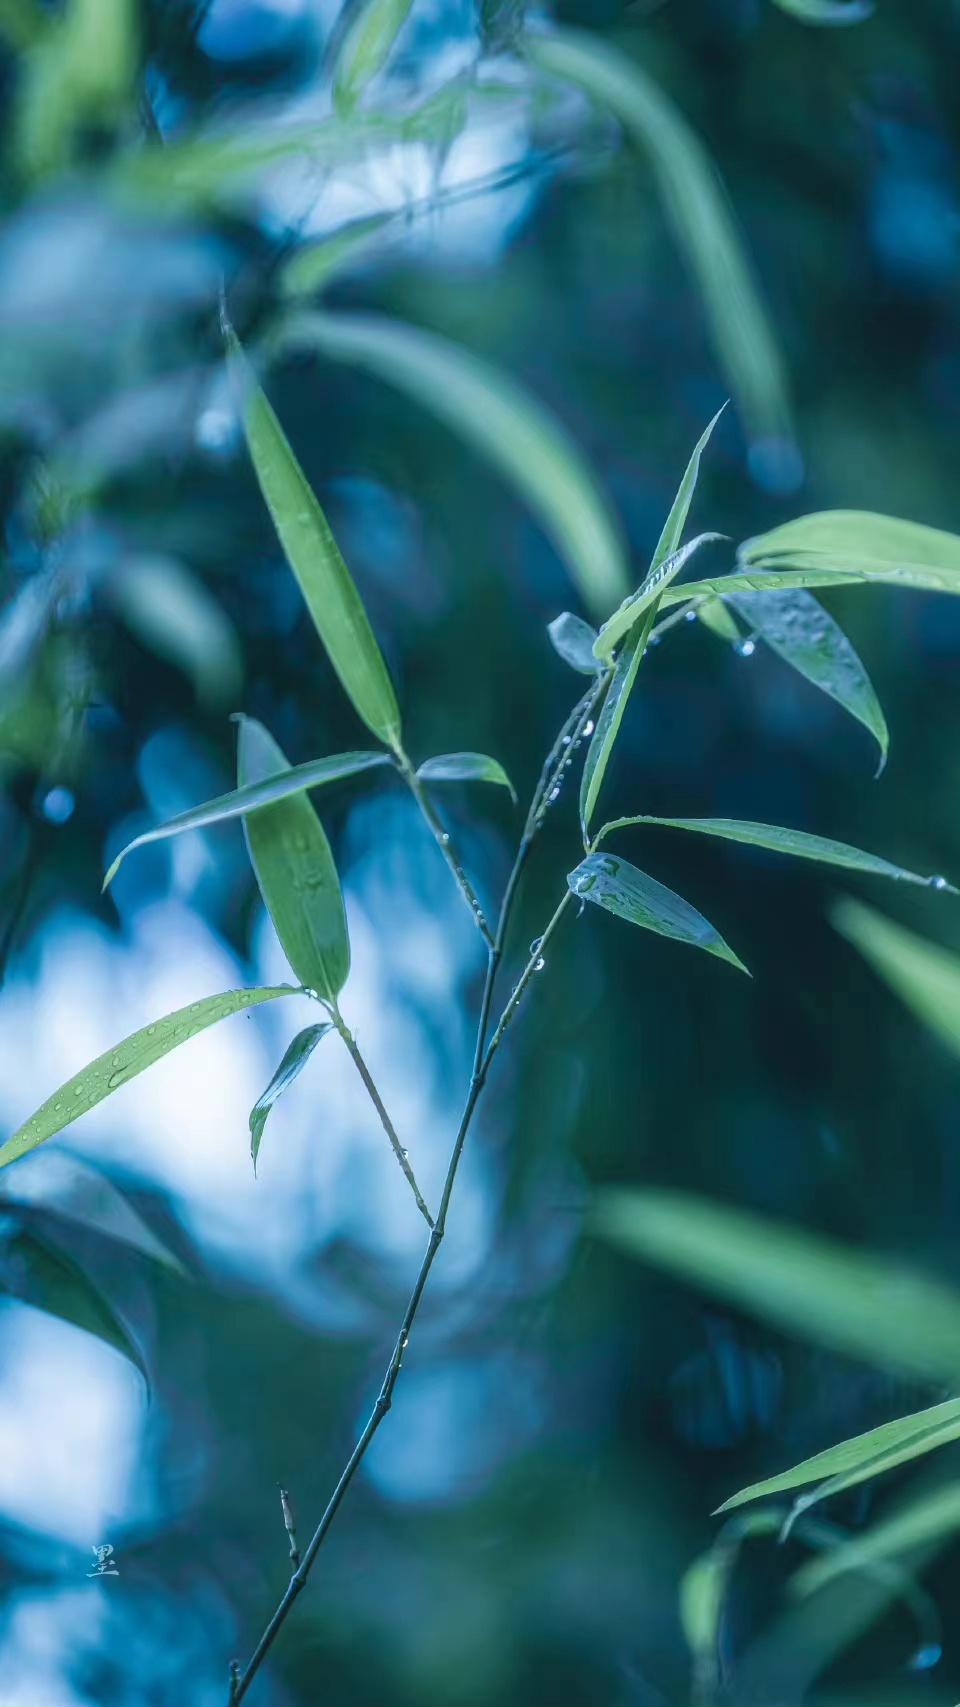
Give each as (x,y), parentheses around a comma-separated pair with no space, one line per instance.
(466,767)
(610,718)
(294,780)
(651,589)
(573,640)
(366,47)
(932,1516)
(313,555)
(854,1302)
(620,888)
(294,1060)
(513,430)
(829,13)
(172,613)
(294,869)
(714,615)
(923,974)
(137,1052)
(795,626)
(58,1189)
(704,1584)
(36,1273)
(312,265)
(861,536)
(695,204)
(778,839)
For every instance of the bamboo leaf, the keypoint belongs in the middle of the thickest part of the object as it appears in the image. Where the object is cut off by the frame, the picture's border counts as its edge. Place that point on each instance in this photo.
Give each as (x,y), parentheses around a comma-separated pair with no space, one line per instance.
(59,1189)
(504,423)
(861,535)
(829,13)
(366,48)
(714,615)
(796,626)
(696,206)
(932,1516)
(313,555)
(621,889)
(611,717)
(652,588)
(38,1274)
(291,1066)
(294,780)
(466,767)
(849,1300)
(676,521)
(817,569)
(295,871)
(573,640)
(778,839)
(116,1066)
(923,974)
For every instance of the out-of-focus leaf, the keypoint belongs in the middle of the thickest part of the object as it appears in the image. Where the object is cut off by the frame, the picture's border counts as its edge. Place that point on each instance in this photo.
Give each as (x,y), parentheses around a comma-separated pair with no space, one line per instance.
(466,767)
(830,13)
(862,535)
(137,1052)
(366,47)
(652,588)
(80,71)
(704,1584)
(573,639)
(62,1189)
(621,889)
(714,615)
(611,717)
(796,627)
(696,205)
(294,868)
(34,1272)
(932,1516)
(21,23)
(781,840)
(514,431)
(170,610)
(294,780)
(856,1303)
(313,555)
(923,974)
(294,1060)
(313,265)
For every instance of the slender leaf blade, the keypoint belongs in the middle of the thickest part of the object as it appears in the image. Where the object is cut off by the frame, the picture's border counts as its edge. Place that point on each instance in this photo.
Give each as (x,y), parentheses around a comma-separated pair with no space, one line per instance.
(61,1189)
(861,534)
(676,521)
(466,767)
(573,640)
(295,1058)
(930,1517)
(611,716)
(652,588)
(36,1273)
(714,615)
(366,48)
(829,14)
(923,974)
(621,889)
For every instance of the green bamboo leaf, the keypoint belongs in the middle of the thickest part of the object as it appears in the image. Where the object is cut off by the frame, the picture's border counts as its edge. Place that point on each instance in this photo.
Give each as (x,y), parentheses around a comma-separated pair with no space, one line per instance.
(676,521)
(849,1300)
(294,1060)
(817,569)
(313,555)
(930,1517)
(295,871)
(80,72)
(36,1273)
(573,640)
(61,1190)
(861,535)
(513,430)
(621,889)
(312,265)
(294,780)
(611,717)
(466,767)
(22,23)
(796,626)
(704,1585)
(116,1066)
(696,205)
(923,974)
(714,615)
(651,588)
(829,13)
(781,840)
(366,48)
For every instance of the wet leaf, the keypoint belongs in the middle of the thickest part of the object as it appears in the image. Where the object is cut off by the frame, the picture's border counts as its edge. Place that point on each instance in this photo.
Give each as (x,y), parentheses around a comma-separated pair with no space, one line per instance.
(796,626)
(313,555)
(620,888)
(295,779)
(116,1066)
(573,639)
(714,615)
(294,1060)
(466,767)
(830,13)
(676,521)
(859,537)
(611,717)
(366,47)
(295,871)
(923,974)
(695,203)
(781,840)
(934,1515)
(513,430)
(650,590)
(837,1296)
(36,1273)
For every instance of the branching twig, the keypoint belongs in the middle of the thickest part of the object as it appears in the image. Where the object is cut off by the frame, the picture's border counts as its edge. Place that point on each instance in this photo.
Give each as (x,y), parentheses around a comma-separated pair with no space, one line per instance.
(442,839)
(385,1120)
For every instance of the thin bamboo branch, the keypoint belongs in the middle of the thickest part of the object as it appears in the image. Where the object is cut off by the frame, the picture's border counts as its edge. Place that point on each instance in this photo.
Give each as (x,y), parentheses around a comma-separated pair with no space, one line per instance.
(385,1121)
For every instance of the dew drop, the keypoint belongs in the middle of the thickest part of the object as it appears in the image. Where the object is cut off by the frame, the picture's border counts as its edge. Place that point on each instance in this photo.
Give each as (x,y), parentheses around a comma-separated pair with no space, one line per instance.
(554,792)
(926,1657)
(691,616)
(588,727)
(539,964)
(745,648)
(445,839)
(938,883)
(404,1153)
(535,945)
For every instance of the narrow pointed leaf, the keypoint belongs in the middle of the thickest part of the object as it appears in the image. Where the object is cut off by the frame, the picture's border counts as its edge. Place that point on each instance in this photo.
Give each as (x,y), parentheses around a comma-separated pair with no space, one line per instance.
(137,1052)
(931,1517)
(314,556)
(38,1274)
(312,266)
(652,588)
(696,206)
(573,640)
(781,840)
(366,47)
(796,626)
(831,14)
(923,974)
(466,767)
(610,718)
(676,521)
(834,1295)
(294,780)
(294,1060)
(61,1189)
(620,888)
(714,615)
(858,533)
(295,870)
(514,431)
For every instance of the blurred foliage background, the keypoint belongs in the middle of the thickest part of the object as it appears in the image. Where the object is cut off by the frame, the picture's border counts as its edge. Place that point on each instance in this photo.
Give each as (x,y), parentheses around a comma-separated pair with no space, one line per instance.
(567,1418)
